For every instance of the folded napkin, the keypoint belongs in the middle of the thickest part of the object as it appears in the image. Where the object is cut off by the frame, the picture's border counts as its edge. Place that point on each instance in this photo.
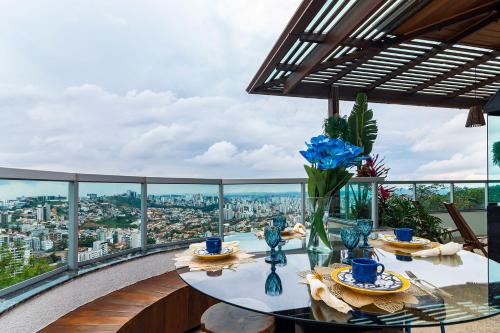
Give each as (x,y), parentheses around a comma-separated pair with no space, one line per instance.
(320,292)
(442,250)
(299,229)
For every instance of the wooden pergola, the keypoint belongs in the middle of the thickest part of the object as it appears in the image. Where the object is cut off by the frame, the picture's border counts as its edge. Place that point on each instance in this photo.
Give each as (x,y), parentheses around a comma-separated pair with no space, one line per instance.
(443,53)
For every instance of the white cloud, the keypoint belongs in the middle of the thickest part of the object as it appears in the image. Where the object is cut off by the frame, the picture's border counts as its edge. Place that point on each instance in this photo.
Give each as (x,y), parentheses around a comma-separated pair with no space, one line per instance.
(219,153)
(157,88)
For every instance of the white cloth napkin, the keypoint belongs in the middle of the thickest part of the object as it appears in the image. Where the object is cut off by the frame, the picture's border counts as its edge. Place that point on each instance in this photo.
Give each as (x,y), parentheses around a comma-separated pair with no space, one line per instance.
(299,229)
(448,249)
(320,292)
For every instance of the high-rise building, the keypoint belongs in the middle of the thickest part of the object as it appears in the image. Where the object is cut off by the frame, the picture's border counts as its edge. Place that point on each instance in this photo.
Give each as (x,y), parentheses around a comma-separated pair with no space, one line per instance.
(40,213)
(36,244)
(43,213)
(135,239)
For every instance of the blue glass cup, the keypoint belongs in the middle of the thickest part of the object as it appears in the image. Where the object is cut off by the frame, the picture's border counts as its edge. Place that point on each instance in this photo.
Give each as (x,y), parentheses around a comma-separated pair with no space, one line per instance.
(403,234)
(280,222)
(350,238)
(272,235)
(213,244)
(366,270)
(273,285)
(365,227)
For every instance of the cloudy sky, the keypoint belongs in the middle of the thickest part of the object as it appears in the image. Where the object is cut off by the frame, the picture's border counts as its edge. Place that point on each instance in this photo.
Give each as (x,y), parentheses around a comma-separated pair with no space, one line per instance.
(157,88)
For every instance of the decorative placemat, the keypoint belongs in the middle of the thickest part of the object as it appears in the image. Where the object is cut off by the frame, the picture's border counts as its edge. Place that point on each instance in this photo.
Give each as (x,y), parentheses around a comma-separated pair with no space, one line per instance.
(390,303)
(380,244)
(187,259)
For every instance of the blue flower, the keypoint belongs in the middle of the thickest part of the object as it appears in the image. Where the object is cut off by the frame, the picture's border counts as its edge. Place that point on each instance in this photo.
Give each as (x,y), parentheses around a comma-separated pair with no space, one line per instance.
(327,153)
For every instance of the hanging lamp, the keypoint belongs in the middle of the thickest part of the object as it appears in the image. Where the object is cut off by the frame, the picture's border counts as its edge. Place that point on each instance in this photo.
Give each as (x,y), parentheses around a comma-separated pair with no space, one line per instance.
(476,116)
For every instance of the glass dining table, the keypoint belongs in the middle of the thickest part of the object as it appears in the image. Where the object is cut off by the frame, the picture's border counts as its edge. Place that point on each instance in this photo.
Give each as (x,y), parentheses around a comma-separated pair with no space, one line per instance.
(472,280)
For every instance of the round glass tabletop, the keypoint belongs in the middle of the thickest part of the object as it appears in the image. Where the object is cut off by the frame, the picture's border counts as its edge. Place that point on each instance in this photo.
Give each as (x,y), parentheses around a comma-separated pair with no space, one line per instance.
(472,280)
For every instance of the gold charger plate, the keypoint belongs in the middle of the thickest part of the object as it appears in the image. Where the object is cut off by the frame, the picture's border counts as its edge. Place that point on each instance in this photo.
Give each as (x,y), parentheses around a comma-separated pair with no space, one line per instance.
(200,254)
(416,242)
(405,283)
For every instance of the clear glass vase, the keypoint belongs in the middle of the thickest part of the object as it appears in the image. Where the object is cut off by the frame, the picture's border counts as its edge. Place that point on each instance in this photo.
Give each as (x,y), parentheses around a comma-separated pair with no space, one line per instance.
(318,212)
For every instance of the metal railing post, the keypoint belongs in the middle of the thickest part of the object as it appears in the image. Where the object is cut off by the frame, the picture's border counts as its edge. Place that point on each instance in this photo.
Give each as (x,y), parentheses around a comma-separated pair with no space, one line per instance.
(144,216)
(414,197)
(303,204)
(221,211)
(486,195)
(452,192)
(73,225)
(375,204)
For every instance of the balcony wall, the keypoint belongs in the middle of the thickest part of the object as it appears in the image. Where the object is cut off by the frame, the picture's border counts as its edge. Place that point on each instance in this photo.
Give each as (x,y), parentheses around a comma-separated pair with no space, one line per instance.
(38,312)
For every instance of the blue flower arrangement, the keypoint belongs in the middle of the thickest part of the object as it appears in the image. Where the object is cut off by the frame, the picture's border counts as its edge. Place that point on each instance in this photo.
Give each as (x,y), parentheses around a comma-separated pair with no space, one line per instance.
(326,153)
(330,158)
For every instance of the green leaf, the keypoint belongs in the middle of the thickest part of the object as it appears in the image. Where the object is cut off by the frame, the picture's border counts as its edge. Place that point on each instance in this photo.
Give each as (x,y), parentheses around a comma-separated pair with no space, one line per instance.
(362,127)
(496,153)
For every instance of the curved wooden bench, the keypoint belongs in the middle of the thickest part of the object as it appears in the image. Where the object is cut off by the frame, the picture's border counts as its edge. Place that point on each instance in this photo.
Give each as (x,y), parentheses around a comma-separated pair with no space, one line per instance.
(162,303)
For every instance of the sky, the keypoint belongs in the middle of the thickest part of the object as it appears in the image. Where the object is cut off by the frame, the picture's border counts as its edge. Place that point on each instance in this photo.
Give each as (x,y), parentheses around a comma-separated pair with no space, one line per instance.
(157,88)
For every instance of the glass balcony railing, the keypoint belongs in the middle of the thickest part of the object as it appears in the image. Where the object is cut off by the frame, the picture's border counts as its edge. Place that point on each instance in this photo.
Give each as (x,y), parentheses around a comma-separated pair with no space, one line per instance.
(53,222)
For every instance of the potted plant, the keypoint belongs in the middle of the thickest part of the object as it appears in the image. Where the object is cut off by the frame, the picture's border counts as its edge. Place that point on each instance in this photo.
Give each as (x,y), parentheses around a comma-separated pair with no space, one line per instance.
(330,160)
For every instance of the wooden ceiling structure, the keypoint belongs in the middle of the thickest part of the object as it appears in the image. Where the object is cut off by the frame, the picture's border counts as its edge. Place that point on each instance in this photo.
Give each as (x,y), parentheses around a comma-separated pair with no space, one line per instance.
(441,53)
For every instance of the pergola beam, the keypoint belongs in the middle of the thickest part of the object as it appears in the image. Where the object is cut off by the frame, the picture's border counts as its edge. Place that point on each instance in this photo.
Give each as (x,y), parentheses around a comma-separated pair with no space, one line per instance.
(346,25)
(460,69)
(297,24)
(463,16)
(478,25)
(475,86)
(348,93)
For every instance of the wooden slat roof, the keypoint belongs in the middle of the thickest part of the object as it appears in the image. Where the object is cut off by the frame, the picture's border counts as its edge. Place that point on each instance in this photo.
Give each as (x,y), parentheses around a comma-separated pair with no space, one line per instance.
(419,52)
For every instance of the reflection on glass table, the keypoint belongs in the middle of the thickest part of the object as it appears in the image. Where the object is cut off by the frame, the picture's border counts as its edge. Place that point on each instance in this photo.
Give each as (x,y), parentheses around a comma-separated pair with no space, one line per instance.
(275,290)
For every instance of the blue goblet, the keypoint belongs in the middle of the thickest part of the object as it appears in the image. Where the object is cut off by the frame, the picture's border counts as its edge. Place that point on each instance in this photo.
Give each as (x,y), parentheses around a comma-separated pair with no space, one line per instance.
(350,238)
(272,235)
(280,222)
(365,227)
(273,285)
(281,256)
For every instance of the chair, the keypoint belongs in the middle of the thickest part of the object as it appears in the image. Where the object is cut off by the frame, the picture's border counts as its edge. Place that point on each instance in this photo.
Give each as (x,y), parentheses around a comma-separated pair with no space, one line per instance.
(471,241)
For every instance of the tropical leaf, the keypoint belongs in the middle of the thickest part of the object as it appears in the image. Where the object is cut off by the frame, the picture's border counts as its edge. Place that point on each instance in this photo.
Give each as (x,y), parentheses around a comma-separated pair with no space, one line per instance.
(363,128)
(496,153)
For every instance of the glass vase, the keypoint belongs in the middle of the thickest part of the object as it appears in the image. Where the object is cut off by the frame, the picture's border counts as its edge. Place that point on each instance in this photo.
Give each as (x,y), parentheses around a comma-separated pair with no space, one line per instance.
(318,211)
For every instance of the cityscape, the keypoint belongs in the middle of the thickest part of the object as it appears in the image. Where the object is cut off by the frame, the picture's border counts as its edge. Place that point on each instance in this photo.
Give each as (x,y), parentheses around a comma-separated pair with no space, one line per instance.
(34,229)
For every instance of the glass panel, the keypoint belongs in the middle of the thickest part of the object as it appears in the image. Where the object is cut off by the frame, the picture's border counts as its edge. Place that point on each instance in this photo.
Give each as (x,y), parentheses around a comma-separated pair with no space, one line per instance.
(401,190)
(33,229)
(359,201)
(248,208)
(432,196)
(178,212)
(469,196)
(109,219)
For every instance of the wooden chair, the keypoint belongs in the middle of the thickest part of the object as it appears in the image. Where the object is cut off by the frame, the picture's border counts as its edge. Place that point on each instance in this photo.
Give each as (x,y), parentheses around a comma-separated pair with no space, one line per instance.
(470,239)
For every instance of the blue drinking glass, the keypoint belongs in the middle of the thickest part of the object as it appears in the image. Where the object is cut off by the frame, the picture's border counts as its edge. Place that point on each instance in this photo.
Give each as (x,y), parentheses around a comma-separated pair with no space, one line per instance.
(280,256)
(272,235)
(273,285)
(280,222)
(365,227)
(350,238)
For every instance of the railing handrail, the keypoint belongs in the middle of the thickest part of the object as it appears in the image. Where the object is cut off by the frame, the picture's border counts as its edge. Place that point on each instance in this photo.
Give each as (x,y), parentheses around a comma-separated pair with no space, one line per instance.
(43,175)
